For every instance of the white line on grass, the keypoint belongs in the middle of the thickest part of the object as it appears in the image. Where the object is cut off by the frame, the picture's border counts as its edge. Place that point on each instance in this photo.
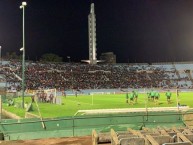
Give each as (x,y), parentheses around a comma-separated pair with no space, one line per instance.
(83,102)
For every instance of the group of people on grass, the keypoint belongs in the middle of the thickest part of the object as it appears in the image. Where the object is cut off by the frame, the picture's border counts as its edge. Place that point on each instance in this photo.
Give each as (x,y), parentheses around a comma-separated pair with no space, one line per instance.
(133,96)
(152,95)
(44,97)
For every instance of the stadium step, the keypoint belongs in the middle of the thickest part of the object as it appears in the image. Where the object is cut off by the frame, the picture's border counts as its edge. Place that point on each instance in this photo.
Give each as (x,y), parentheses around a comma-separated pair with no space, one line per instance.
(146,136)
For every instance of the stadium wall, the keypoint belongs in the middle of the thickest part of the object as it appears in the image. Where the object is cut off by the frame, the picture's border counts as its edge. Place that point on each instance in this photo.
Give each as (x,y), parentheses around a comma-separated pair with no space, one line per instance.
(35,128)
(118,91)
(109,91)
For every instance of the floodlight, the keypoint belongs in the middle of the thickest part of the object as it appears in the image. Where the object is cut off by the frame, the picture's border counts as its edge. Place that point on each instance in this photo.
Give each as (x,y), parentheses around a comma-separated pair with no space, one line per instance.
(24,3)
(23,57)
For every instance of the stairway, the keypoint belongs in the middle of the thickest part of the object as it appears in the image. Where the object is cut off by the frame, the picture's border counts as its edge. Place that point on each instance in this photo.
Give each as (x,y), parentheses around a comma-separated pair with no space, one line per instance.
(188,73)
(147,75)
(176,71)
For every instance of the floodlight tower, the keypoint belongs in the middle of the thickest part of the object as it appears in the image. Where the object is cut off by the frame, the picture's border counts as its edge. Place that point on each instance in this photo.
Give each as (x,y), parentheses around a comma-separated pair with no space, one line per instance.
(23,57)
(0,55)
(92,35)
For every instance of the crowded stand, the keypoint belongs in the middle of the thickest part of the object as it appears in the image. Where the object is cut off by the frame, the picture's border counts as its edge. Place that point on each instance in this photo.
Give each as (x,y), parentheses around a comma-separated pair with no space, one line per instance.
(80,76)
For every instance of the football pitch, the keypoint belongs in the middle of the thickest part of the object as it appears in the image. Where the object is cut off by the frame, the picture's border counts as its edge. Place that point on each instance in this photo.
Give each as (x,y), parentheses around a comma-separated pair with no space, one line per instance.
(71,104)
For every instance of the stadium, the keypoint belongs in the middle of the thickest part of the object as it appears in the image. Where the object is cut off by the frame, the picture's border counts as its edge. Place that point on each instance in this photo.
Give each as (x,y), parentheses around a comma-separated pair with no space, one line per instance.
(94,101)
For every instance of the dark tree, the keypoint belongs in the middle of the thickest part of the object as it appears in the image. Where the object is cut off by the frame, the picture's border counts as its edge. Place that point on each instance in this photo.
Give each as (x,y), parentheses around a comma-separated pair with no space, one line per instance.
(50,57)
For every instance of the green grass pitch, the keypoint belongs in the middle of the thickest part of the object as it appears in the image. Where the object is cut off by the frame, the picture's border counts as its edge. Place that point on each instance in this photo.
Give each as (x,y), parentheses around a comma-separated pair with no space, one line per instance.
(71,104)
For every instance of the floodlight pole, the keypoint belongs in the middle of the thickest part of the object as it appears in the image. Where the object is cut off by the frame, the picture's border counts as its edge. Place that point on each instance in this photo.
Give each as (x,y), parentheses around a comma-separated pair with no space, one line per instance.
(0,55)
(23,57)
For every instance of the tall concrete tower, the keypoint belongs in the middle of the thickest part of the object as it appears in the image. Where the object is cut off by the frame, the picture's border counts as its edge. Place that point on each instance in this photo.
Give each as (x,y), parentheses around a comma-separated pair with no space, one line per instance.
(92,37)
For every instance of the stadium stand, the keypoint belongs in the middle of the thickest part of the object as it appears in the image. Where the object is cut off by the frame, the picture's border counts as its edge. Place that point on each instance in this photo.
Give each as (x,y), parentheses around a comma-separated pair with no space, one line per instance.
(146,136)
(82,77)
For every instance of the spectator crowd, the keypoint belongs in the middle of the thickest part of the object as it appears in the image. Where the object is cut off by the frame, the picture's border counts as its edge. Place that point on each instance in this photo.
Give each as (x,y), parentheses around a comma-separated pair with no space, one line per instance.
(64,76)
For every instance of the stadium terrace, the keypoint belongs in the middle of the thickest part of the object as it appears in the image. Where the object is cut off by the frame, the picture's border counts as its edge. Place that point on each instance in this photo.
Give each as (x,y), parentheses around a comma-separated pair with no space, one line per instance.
(80,76)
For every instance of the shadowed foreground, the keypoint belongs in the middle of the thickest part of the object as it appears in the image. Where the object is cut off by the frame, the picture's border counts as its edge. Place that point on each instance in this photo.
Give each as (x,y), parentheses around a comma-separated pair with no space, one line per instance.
(87,140)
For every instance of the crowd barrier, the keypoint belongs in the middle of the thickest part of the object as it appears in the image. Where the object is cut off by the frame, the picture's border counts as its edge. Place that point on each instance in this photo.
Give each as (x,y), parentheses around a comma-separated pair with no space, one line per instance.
(34,128)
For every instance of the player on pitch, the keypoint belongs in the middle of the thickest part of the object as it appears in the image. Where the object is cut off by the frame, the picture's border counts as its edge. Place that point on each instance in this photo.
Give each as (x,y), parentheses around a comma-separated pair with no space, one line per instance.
(131,97)
(127,98)
(152,95)
(168,95)
(135,93)
(156,99)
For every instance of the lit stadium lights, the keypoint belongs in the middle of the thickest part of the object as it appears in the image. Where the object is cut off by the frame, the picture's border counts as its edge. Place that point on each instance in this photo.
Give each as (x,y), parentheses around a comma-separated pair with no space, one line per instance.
(23,57)
(21,49)
(23,5)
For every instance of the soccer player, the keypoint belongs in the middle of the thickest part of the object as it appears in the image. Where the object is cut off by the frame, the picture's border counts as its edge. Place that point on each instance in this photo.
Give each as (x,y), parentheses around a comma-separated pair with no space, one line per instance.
(148,95)
(157,95)
(76,93)
(135,92)
(152,95)
(127,97)
(131,97)
(168,95)
(64,93)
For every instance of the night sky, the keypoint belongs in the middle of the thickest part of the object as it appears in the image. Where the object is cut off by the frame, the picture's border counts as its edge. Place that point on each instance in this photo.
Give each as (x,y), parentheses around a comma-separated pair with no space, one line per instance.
(135,30)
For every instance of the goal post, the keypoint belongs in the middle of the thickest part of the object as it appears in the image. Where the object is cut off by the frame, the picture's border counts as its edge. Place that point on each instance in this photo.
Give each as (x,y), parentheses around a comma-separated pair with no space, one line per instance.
(51,91)
(56,99)
(47,95)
